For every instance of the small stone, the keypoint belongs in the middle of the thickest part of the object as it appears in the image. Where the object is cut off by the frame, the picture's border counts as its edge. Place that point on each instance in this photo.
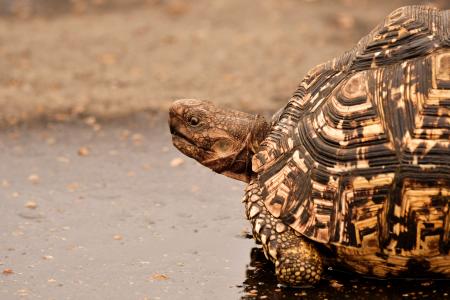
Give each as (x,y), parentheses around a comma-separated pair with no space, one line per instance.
(117,237)
(34,178)
(31,204)
(7,271)
(5,183)
(176,162)
(51,280)
(83,151)
(47,257)
(159,277)
(72,187)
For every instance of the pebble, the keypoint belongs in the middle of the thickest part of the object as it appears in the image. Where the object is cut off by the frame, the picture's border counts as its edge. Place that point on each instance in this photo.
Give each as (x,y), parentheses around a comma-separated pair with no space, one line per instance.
(176,162)
(83,151)
(34,178)
(159,277)
(7,271)
(31,204)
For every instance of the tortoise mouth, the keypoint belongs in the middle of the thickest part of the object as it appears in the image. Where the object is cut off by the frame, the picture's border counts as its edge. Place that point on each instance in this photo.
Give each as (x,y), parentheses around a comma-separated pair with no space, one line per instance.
(178,137)
(188,147)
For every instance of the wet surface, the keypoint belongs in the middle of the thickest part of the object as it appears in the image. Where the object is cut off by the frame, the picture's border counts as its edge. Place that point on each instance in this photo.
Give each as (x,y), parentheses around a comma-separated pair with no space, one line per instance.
(261,284)
(113,211)
(115,217)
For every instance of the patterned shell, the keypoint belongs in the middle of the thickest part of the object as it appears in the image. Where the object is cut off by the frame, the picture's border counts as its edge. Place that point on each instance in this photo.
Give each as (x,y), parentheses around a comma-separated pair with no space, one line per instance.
(360,155)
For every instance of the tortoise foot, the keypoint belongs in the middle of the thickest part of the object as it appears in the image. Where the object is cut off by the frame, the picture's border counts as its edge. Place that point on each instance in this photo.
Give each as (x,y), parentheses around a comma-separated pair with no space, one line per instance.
(299,265)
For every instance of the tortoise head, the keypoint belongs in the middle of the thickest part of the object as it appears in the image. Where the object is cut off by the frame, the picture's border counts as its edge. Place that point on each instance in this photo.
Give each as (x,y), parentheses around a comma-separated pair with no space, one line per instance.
(223,140)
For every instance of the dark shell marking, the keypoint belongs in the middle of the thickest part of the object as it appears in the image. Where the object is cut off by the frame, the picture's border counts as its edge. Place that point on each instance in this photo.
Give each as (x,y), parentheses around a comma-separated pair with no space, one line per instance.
(360,156)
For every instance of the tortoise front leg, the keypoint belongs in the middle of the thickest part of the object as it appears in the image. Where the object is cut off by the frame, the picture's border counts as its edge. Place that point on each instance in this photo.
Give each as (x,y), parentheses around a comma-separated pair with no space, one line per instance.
(297,261)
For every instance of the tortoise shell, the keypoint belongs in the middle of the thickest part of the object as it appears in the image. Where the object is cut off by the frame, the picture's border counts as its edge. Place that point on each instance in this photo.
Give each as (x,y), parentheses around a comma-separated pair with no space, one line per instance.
(360,155)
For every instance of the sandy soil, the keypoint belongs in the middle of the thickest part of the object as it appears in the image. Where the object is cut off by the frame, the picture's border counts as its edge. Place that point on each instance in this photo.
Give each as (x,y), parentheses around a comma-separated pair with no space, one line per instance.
(107,58)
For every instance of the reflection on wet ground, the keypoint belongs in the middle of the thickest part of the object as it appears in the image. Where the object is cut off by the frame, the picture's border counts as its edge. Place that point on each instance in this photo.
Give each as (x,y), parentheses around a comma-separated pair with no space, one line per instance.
(110,211)
(261,283)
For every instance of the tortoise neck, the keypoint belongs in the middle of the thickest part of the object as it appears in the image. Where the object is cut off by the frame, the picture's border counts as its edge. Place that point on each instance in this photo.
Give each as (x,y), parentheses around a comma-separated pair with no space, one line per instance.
(238,164)
(257,132)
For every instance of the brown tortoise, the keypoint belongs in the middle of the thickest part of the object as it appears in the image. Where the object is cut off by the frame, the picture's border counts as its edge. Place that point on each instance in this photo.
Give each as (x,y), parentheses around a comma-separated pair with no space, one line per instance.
(357,163)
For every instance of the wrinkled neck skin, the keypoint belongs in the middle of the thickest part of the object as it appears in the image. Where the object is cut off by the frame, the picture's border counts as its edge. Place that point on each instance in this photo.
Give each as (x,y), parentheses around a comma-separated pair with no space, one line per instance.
(237,164)
(221,139)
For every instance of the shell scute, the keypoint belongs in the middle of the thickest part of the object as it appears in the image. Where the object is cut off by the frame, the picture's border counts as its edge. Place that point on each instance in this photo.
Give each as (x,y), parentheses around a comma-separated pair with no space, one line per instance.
(363,138)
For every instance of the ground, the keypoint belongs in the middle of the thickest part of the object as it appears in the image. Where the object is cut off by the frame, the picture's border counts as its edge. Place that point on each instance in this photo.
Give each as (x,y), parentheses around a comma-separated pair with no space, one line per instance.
(95,201)
(110,58)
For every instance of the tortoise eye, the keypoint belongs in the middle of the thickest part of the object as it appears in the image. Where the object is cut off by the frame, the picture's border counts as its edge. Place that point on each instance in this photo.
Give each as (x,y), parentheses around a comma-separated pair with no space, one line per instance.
(194,121)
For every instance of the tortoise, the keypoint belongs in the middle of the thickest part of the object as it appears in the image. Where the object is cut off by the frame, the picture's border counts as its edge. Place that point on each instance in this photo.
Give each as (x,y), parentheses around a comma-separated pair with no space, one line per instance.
(355,169)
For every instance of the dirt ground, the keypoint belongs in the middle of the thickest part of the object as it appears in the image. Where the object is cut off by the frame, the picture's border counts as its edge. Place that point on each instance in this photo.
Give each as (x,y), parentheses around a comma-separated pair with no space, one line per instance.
(109,58)
(95,201)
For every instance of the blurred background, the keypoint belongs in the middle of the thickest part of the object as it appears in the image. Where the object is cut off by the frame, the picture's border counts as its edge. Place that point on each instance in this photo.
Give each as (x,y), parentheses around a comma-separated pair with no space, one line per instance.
(65,58)
(95,202)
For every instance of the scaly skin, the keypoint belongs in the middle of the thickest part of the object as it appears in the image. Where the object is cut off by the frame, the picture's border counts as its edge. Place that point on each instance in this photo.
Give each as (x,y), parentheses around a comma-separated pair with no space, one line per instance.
(225,141)
(297,261)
